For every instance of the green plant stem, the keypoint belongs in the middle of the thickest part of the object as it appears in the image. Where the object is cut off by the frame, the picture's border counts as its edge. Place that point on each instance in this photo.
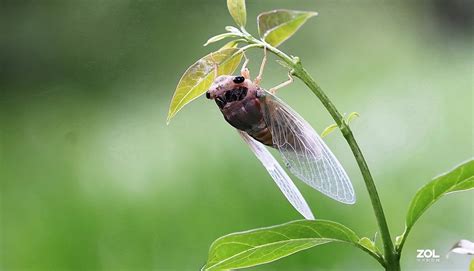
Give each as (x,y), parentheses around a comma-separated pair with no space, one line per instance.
(390,255)
(389,251)
(401,243)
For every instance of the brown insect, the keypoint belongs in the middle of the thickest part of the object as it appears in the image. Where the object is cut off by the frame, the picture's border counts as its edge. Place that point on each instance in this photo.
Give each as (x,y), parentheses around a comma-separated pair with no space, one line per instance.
(263,119)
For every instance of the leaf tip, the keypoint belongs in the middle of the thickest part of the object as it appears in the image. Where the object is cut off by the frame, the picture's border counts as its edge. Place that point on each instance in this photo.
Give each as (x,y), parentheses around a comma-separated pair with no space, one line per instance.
(352,116)
(238,11)
(328,130)
(278,25)
(168,118)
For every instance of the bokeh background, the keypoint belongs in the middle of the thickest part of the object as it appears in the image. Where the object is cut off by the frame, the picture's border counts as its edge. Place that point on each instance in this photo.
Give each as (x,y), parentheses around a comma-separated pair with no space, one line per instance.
(91,177)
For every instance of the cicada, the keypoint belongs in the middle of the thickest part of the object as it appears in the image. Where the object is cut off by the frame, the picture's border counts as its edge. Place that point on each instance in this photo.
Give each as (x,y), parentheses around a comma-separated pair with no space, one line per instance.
(262,119)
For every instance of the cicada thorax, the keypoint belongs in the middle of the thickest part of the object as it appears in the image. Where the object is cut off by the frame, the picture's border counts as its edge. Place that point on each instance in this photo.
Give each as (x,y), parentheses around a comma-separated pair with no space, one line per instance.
(242,108)
(247,115)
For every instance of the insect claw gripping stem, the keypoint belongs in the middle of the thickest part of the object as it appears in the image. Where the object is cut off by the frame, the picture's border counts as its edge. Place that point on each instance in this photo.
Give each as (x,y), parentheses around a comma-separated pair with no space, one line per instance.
(258,79)
(296,60)
(284,84)
(245,71)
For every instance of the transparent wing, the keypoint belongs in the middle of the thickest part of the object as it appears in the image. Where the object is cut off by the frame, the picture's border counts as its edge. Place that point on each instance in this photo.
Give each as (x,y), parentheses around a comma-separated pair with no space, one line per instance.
(304,152)
(278,174)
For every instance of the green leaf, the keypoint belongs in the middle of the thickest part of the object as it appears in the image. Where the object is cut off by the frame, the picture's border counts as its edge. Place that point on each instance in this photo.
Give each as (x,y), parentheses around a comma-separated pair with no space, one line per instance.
(460,178)
(219,37)
(234,30)
(369,245)
(328,130)
(237,11)
(264,245)
(278,25)
(352,116)
(230,44)
(199,76)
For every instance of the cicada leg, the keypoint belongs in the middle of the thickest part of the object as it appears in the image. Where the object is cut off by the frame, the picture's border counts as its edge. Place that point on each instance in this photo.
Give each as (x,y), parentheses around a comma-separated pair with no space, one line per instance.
(216,66)
(284,84)
(245,71)
(216,69)
(258,79)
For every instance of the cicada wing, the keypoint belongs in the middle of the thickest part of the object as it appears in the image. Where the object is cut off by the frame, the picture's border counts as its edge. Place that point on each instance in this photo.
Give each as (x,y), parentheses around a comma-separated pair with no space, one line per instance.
(279,175)
(304,152)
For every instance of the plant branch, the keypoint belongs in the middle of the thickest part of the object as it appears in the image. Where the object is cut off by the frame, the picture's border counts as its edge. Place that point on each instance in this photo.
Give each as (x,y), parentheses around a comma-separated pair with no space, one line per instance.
(401,242)
(376,256)
(390,256)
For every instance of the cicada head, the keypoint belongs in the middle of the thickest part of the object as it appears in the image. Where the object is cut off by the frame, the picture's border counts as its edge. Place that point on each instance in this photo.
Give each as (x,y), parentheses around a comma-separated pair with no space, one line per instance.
(225,83)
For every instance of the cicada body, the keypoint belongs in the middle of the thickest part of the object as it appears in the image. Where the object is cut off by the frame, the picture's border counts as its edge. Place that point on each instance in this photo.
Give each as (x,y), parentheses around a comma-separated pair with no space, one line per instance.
(262,118)
(241,104)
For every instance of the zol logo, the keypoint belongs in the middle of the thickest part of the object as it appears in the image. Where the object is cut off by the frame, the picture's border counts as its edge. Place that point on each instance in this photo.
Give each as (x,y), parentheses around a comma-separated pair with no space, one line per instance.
(427,255)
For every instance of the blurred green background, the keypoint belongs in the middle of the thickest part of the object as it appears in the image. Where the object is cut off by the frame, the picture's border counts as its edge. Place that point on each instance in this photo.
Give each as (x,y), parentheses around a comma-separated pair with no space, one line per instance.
(91,178)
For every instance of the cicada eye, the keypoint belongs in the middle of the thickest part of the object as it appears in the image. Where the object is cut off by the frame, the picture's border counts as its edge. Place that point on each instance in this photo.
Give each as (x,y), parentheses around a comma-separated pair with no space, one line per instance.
(208,95)
(238,79)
